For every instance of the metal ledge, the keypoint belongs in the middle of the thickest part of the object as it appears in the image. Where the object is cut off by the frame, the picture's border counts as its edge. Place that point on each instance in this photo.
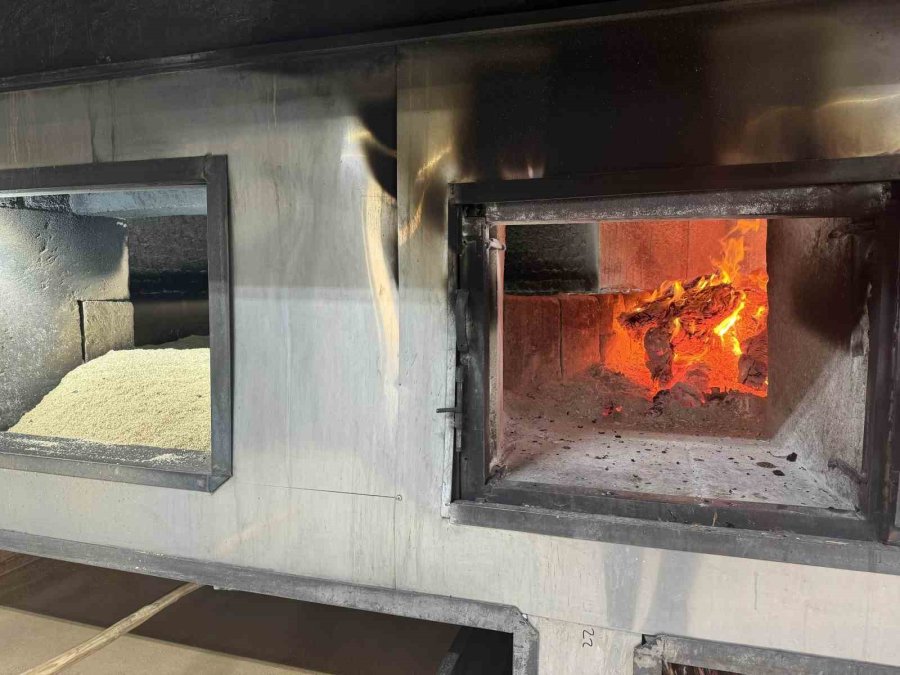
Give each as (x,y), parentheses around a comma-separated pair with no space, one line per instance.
(428,607)
(851,200)
(691,180)
(714,512)
(861,556)
(158,467)
(102,176)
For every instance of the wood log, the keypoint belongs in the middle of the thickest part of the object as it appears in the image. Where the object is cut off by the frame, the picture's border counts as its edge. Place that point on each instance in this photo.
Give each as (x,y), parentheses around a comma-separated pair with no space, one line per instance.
(753,366)
(702,310)
(698,310)
(687,395)
(658,348)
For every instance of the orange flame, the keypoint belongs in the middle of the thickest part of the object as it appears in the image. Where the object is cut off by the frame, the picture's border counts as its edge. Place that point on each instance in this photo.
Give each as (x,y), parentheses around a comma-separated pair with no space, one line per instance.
(728,322)
(703,320)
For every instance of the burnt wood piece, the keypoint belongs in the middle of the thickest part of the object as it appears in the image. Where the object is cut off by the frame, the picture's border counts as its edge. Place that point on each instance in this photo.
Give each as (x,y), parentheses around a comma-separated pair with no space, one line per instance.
(689,314)
(753,366)
(698,309)
(658,347)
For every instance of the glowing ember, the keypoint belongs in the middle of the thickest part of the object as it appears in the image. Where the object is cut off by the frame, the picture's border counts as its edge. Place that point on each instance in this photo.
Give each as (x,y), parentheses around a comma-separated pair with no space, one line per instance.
(701,335)
(611,408)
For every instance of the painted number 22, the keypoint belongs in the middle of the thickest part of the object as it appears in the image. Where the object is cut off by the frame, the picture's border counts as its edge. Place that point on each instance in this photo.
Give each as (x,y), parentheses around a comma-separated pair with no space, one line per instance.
(587,637)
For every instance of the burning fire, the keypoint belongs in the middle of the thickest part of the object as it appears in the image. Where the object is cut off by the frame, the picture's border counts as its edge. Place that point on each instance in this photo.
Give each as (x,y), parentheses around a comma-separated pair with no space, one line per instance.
(698,336)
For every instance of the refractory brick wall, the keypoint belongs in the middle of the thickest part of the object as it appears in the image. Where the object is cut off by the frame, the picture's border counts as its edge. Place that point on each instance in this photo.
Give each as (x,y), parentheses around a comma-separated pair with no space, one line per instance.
(642,254)
(50,262)
(552,337)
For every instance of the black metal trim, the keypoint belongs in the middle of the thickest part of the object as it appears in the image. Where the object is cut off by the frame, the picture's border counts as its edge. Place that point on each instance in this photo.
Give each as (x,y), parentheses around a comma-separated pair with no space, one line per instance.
(658,650)
(784,547)
(880,458)
(473,279)
(81,458)
(141,465)
(719,513)
(170,172)
(429,607)
(260,54)
(218,238)
(683,179)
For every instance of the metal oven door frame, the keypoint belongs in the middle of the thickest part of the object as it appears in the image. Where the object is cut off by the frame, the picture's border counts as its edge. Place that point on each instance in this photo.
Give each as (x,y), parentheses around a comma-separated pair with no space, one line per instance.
(137,464)
(861,188)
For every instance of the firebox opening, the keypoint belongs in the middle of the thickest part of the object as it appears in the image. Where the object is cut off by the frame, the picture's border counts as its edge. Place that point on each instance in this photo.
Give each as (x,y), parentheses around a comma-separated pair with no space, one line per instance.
(691,358)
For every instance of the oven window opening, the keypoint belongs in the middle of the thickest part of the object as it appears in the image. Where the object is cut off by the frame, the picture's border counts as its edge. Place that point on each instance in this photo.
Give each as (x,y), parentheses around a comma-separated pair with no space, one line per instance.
(115,316)
(707,359)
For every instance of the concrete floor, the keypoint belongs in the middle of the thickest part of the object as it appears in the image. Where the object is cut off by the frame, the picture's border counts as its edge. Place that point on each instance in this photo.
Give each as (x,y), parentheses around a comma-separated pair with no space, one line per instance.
(47,607)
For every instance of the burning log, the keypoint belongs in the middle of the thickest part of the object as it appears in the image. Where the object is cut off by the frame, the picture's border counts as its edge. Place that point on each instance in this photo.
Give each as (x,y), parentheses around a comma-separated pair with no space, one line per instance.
(688,338)
(753,366)
(701,310)
(682,319)
(660,354)
(697,306)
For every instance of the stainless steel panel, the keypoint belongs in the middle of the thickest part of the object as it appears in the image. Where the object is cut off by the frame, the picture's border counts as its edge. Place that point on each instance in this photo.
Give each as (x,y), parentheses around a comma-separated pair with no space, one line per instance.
(313,239)
(337,376)
(763,82)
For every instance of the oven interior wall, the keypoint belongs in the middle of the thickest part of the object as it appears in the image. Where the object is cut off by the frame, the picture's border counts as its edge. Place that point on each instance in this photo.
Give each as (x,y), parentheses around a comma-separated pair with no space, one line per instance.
(51,261)
(819,284)
(168,269)
(642,255)
(552,258)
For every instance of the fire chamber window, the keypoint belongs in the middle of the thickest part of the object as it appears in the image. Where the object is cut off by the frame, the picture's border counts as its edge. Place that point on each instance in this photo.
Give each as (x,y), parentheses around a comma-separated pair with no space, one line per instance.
(105,315)
(703,358)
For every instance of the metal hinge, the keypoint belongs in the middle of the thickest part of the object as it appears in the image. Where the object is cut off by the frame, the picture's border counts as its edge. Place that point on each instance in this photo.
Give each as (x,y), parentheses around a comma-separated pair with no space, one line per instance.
(457,410)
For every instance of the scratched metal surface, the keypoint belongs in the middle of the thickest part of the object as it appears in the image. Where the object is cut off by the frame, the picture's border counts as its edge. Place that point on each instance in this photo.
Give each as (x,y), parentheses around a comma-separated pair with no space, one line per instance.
(339,369)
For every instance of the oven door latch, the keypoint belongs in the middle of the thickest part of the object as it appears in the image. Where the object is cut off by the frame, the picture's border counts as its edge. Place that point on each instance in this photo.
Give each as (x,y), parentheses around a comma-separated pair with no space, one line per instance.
(457,410)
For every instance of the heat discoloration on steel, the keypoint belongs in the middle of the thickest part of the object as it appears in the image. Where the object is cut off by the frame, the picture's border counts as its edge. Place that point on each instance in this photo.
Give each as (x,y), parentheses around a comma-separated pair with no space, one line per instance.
(853,200)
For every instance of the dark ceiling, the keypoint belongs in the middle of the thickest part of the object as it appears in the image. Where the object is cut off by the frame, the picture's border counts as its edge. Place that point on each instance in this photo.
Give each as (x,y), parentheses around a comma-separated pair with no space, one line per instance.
(43,35)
